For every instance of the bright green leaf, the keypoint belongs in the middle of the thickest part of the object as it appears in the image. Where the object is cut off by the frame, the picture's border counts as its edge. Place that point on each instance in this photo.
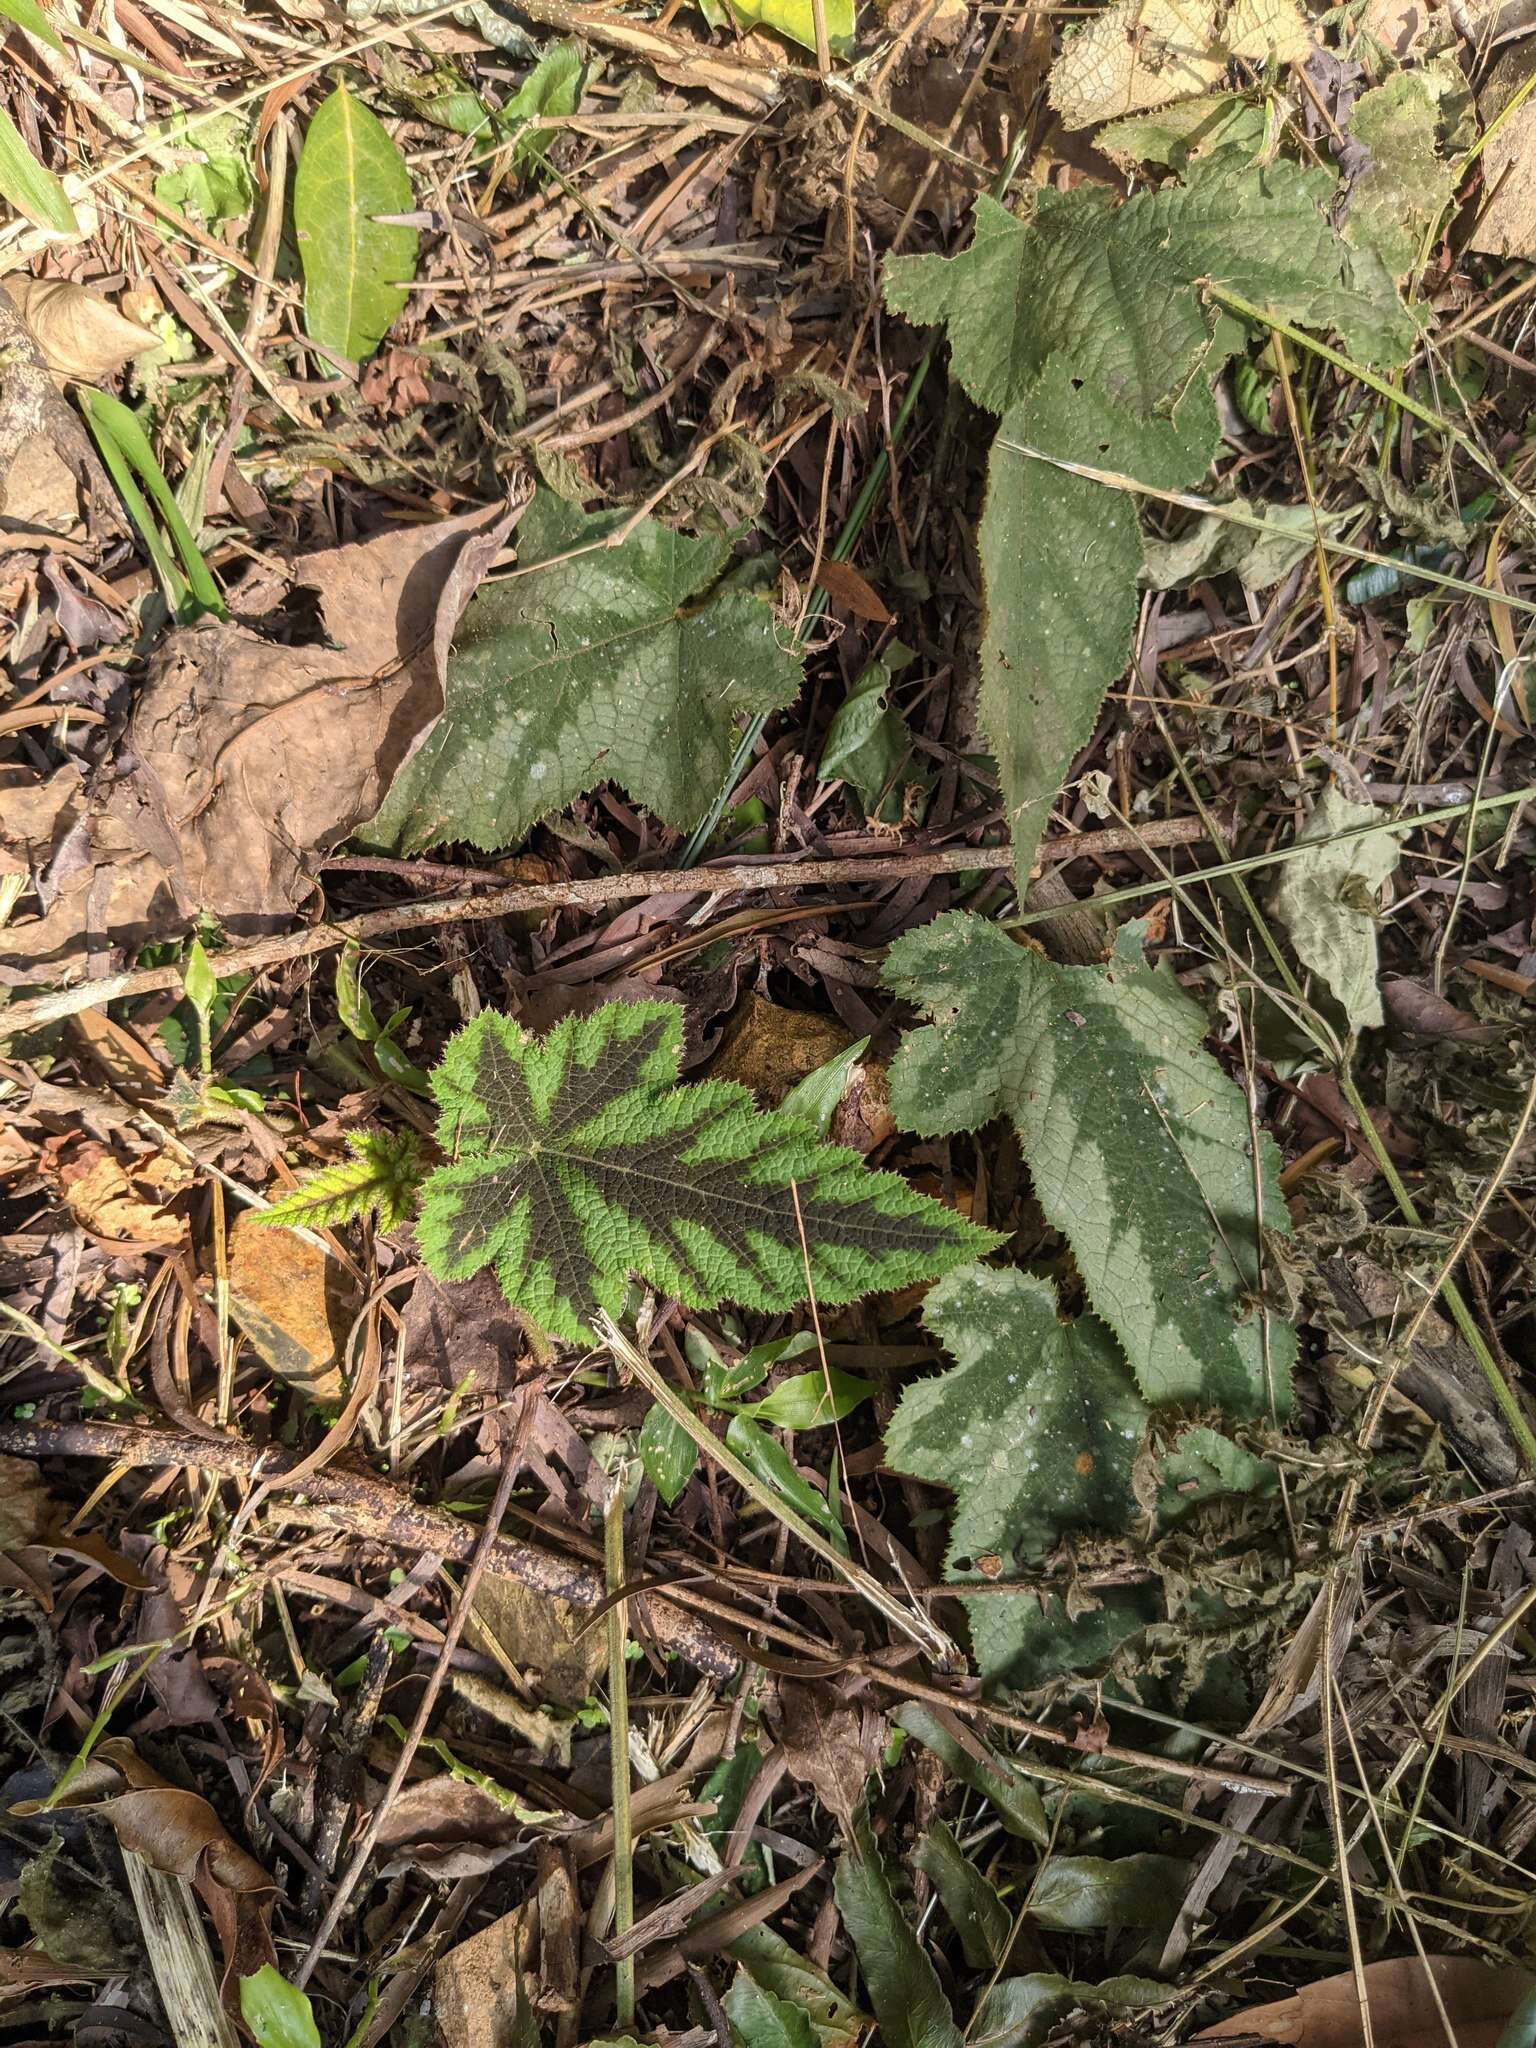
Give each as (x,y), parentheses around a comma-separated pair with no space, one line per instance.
(580,1160)
(768,1461)
(817,1096)
(28,15)
(1175,135)
(620,664)
(904,1988)
(796,19)
(1326,898)
(215,183)
(356,268)
(278,2014)
(554,87)
(811,1400)
(668,1453)
(382,1177)
(1139,1146)
(1407,181)
(199,979)
(30,188)
(1260,558)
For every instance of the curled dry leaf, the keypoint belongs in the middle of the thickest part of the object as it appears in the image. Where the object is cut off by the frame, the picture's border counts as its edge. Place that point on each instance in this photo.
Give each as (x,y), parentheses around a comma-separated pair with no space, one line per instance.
(127,1206)
(831,1744)
(243,760)
(1477,2000)
(179,1833)
(82,336)
(1139,54)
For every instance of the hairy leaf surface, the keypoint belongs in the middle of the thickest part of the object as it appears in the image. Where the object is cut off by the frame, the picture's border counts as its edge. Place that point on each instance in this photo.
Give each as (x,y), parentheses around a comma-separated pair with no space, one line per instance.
(1139,1145)
(579,1161)
(620,664)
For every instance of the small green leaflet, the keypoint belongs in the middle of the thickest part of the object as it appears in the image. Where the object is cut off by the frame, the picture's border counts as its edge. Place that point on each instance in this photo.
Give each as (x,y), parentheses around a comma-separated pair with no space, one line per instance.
(623,663)
(554,86)
(868,744)
(30,188)
(382,1177)
(816,1097)
(767,1460)
(355,267)
(796,19)
(580,1160)
(1090,328)
(1139,1146)
(668,1453)
(1326,898)
(215,183)
(278,2014)
(978,1766)
(772,1964)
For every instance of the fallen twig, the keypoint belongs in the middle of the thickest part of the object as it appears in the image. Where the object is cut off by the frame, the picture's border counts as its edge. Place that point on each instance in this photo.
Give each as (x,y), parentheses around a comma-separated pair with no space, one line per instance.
(260,955)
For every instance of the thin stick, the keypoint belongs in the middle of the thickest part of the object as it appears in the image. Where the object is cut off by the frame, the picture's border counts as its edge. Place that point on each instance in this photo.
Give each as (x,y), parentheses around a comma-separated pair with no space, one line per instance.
(618,1744)
(261,955)
(485,1545)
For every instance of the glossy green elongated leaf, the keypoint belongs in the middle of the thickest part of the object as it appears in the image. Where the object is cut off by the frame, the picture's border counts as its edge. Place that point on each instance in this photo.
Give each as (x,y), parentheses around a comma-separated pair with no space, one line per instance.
(28,15)
(116,428)
(811,1400)
(975,1911)
(768,1461)
(1015,1798)
(610,663)
(356,266)
(278,2014)
(1139,1145)
(904,1988)
(668,1453)
(29,187)
(580,1160)
(1326,897)
(1020,2011)
(381,1178)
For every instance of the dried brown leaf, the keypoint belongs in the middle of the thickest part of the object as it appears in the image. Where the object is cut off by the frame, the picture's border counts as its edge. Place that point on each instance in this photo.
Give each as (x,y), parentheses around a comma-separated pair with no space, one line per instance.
(83,337)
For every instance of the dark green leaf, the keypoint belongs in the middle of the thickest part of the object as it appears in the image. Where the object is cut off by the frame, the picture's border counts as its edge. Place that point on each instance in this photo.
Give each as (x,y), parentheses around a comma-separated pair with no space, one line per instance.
(1014,1797)
(762,2021)
(593,664)
(904,1988)
(554,86)
(770,1961)
(579,1161)
(977,1914)
(1076,1894)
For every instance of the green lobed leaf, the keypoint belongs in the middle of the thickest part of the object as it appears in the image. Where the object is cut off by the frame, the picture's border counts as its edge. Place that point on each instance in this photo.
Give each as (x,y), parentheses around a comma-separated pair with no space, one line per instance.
(1406,181)
(1092,329)
(1138,1144)
(1326,899)
(29,187)
(382,1176)
(904,1988)
(1260,558)
(356,268)
(579,1161)
(1060,557)
(622,663)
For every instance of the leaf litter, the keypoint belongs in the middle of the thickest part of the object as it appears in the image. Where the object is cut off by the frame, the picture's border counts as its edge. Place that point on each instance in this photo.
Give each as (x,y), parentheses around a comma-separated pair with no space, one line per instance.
(1006,1374)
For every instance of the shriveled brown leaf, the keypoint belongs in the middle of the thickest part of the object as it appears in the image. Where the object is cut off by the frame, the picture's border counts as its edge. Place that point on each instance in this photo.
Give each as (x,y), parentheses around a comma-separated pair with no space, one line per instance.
(294,1303)
(850,592)
(128,1204)
(771,1050)
(1477,1999)
(245,760)
(82,335)
(179,1833)
(1416,1009)
(25,1971)
(541,1635)
(447,1828)
(830,1744)
(1506,223)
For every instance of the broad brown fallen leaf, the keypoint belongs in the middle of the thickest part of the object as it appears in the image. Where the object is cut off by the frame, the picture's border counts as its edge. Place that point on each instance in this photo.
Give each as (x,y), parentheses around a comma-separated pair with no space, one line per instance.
(1506,224)
(179,1833)
(243,760)
(449,1829)
(294,1304)
(49,472)
(83,337)
(830,1744)
(770,1049)
(480,1984)
(126,1204)
(1477,1999)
